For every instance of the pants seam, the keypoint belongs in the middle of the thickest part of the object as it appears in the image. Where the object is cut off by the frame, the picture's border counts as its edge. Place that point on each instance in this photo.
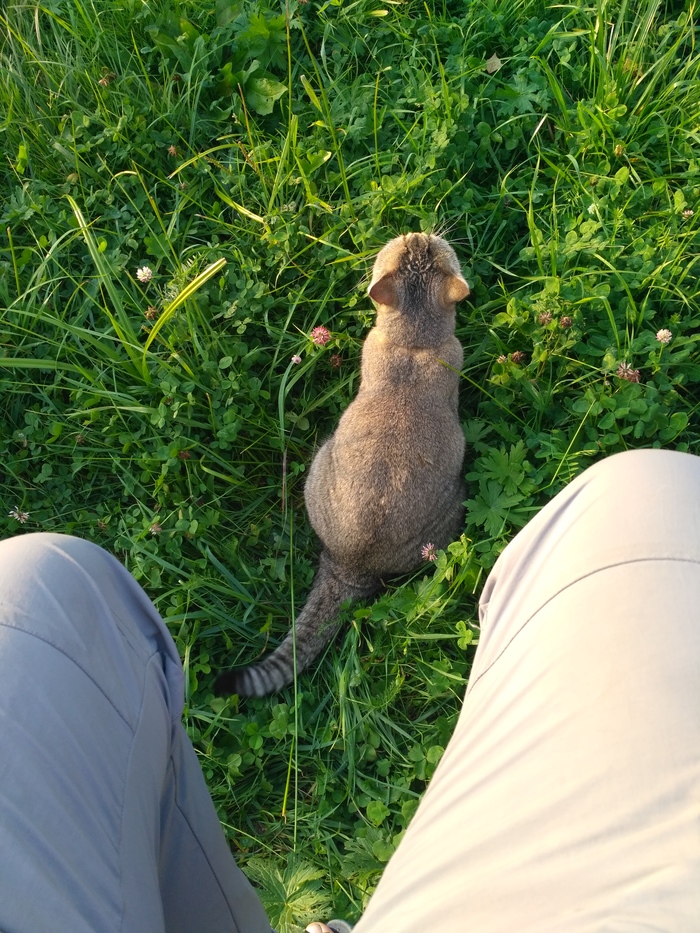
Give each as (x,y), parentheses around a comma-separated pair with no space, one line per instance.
(51,644)
(585,576)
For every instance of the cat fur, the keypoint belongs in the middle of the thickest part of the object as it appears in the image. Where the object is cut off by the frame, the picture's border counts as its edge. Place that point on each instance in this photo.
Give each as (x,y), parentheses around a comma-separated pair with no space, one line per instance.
(389,480)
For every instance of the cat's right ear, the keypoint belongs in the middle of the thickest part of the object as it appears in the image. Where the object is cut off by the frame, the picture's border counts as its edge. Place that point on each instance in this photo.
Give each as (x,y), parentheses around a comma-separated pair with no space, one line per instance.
(454,289)
(383,291)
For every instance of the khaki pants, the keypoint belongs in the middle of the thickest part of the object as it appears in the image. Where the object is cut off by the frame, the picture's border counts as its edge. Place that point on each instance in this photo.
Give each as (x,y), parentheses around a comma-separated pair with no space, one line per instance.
(569,796)
(567,800)
(106,823)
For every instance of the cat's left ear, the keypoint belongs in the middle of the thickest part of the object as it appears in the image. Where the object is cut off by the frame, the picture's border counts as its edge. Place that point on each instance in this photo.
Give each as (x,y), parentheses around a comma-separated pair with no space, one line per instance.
(383,291)
(454,289)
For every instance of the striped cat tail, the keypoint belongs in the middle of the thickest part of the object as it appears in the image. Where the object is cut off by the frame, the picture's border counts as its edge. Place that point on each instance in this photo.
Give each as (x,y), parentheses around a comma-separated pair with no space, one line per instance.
(315,626)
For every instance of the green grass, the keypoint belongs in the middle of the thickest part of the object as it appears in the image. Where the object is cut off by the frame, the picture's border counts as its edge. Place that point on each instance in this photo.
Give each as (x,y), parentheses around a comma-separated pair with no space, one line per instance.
(255,157)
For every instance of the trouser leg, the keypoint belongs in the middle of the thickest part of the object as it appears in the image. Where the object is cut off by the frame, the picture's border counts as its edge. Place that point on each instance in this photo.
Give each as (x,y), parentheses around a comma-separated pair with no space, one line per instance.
(105,820)
(569,796)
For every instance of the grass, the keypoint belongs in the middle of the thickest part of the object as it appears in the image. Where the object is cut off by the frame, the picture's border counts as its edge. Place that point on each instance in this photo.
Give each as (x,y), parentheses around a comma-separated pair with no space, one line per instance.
(255,157)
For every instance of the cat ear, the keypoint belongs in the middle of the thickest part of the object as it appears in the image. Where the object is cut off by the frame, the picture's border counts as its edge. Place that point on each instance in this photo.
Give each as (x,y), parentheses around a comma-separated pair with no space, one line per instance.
(454,289)
(383,291)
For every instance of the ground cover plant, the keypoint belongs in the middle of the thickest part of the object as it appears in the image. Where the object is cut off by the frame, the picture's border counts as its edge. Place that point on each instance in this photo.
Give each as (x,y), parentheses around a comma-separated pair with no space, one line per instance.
(188,190)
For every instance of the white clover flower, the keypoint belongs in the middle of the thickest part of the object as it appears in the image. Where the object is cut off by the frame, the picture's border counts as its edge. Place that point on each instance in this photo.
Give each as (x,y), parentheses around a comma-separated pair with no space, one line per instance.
(625,371)
(664,335)
(18,515)
(144,274)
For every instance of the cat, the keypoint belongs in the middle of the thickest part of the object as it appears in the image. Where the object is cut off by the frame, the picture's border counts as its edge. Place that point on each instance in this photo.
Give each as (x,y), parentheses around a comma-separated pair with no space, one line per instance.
(389,480)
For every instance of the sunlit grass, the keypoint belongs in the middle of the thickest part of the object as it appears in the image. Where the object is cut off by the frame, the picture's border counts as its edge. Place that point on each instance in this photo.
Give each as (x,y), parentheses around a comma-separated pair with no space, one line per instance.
(554,146)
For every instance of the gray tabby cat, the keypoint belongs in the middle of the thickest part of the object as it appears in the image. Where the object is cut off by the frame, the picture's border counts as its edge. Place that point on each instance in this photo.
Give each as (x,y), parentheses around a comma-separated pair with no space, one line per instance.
(389,481)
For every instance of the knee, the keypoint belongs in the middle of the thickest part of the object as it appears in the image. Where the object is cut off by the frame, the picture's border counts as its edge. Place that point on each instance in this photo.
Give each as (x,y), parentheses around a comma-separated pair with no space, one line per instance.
(645,480)
(44,573)
(46,550)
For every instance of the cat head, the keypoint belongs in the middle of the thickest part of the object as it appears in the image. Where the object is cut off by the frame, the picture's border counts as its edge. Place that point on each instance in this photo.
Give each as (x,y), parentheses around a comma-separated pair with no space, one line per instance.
(417,272)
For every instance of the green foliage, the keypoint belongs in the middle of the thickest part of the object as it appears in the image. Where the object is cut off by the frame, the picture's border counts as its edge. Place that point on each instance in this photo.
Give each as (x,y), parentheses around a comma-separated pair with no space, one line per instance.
(293,896)
(254,157)
(239,56)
